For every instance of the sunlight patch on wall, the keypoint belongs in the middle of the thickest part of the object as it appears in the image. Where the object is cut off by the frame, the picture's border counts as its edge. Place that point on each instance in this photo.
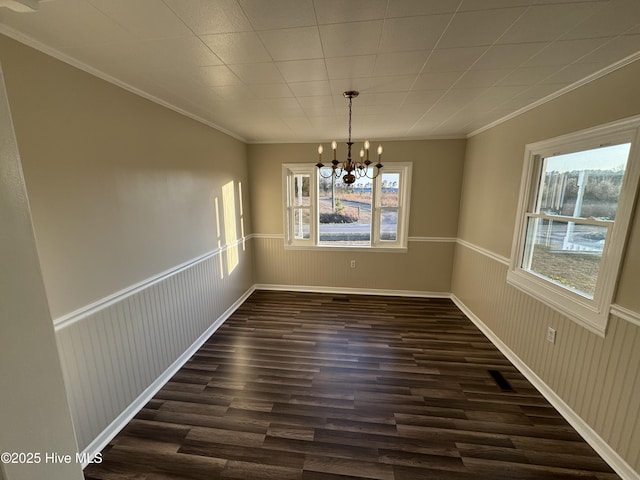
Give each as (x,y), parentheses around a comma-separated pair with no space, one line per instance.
(230,231)
(216,206)
(241,216)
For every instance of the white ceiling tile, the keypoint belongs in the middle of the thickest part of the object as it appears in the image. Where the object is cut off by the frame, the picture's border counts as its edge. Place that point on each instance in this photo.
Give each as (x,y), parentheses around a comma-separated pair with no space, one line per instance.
(468,5)
(469,29)
(319,101)
(217,75)
(204,16)
(436,80)
(300,125)
(310,89)
(360,110)
(508,56)
(384,98)
(407,118)
(615,17)
(236,95)
(247,65)
(184,51)
(394,83)
(412,33)
(528,75)
(348,39)
(457,97)
(409,8)
(399,63)
(614,50)
(303,70)
(276,14)
(416,100)
(337,11)
(285,106)
(83,24)
(495,96)
(253,73)
(293,43)
(240,47)
(349,67)
(144,18)
(564,52)
(572,73)
(453,59)
(548,22)
(271,90)
(481,78)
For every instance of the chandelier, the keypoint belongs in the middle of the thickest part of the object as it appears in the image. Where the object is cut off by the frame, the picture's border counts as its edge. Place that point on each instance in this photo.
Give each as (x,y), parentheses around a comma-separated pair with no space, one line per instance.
(351,169)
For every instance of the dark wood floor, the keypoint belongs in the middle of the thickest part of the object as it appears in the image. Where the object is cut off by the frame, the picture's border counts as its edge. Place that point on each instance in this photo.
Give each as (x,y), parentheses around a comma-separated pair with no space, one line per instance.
(311,386)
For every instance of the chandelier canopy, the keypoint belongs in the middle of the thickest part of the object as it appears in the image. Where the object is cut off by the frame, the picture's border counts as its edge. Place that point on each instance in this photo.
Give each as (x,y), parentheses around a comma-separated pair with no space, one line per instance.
(351,170)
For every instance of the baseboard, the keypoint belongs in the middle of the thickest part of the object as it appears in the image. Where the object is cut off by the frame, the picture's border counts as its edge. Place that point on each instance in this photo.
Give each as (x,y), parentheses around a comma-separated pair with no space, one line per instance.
(125,417)
(351,290)
(609,455)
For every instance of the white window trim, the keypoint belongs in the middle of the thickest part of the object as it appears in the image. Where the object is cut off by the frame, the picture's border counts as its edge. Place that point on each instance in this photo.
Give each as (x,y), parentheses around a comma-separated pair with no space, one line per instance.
(591,314)
(378,245)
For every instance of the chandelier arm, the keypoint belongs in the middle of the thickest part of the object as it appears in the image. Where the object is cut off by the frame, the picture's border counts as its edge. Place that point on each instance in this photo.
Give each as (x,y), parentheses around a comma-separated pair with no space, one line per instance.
(375,172)
(352,170)
(324,176)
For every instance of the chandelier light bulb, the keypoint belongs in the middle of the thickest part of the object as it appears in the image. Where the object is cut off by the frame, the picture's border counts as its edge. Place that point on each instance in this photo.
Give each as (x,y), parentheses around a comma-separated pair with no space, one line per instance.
(351,170)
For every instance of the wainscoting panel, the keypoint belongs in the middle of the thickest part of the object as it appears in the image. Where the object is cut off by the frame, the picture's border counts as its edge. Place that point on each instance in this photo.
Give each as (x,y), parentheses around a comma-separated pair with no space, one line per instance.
(424,267)
(598,379)
(115,353)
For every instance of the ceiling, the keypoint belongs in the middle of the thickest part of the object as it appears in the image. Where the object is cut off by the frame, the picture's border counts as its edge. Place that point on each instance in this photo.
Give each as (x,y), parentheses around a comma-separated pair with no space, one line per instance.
(275,70)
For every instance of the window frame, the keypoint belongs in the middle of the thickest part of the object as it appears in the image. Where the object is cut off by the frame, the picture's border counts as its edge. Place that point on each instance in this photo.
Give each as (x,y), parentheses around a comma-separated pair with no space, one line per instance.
(592,314)
(289,170)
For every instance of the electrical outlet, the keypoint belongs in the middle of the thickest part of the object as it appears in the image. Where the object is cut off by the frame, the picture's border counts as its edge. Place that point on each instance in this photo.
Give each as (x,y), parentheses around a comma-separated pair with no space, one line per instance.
(551,335)
(353,264)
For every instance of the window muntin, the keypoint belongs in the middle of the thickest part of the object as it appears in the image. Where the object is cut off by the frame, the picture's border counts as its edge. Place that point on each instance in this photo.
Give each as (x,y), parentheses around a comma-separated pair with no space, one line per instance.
(301,206)
(370,213)
(344,210)
(575,209)
(576,200)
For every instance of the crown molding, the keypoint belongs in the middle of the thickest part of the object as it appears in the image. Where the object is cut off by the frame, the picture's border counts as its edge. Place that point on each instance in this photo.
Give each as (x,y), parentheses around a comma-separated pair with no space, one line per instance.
(588,79)
(63,57)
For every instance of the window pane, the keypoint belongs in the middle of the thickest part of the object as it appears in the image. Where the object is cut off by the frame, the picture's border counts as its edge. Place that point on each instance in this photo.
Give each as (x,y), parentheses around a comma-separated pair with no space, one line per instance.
(301,190)
(345,210)
(390,185)
(301,224)
(389,224)
(583,184)
(565,253)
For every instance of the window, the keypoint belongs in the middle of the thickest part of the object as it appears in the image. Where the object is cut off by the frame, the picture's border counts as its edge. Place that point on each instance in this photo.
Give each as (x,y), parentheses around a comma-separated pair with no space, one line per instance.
(325,212)
(576,200)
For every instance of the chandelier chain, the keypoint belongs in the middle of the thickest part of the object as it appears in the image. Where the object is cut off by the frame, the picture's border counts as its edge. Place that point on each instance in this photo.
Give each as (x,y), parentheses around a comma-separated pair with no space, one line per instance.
(350,102)
(349,170)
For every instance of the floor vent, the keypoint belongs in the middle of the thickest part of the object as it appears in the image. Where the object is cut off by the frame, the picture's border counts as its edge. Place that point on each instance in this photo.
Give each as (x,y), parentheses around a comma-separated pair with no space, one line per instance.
(501,381)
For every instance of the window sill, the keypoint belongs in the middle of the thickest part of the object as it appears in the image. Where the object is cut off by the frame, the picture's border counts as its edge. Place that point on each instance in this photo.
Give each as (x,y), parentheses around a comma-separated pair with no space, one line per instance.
(346,248)
(579,309)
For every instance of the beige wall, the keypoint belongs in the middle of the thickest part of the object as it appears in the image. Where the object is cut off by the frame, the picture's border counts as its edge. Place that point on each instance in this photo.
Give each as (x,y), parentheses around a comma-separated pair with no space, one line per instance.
(34,413)
(596,377)
(122,193)
(121,189)
(425,267)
